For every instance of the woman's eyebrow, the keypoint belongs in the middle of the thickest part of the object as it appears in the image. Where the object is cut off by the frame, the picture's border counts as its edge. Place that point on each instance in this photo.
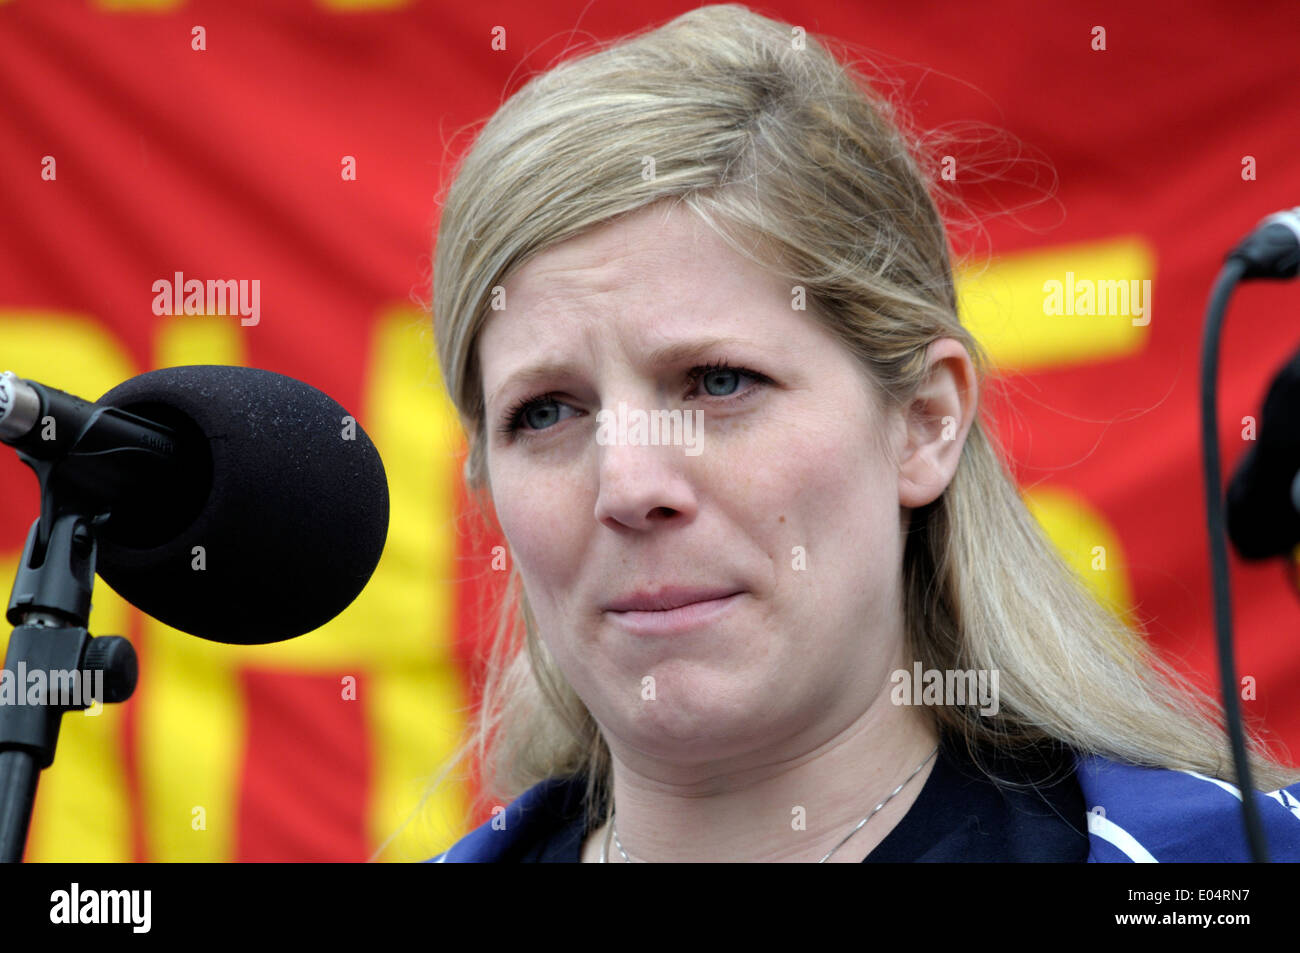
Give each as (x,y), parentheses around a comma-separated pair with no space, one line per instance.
(531,374)
(667,354)
(679,351)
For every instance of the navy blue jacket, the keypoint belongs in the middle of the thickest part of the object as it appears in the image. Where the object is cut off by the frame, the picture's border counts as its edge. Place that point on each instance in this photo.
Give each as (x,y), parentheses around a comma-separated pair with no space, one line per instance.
(1128,813)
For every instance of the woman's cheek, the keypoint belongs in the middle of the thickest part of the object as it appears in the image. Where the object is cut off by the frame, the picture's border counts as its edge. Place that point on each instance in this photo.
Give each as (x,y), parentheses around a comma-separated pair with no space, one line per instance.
(541,515)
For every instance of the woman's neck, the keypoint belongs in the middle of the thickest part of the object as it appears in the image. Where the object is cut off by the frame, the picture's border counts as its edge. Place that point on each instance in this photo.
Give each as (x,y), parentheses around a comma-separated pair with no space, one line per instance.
(794,809)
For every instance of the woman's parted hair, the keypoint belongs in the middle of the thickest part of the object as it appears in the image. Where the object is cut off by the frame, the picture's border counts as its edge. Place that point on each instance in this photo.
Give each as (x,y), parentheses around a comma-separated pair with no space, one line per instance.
(801,166)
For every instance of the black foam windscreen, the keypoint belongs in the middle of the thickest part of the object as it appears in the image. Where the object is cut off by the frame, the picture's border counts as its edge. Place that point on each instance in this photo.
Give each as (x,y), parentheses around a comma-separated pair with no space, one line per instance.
(279,513)
(1261,518)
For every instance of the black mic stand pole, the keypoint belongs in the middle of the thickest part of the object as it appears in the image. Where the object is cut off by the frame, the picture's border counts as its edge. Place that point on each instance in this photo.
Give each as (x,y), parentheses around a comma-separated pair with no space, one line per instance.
(50,609)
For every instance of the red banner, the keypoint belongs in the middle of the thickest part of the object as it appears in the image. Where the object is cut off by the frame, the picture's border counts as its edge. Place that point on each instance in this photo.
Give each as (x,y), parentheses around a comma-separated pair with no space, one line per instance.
(301,146)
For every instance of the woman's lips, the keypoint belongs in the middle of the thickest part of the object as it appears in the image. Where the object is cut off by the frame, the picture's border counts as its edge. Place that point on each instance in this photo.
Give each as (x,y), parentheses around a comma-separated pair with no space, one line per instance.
(673,621)
(668,597)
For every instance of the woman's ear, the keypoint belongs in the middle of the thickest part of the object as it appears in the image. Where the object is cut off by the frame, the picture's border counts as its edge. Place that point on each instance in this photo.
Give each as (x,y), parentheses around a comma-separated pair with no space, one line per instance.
(936,423)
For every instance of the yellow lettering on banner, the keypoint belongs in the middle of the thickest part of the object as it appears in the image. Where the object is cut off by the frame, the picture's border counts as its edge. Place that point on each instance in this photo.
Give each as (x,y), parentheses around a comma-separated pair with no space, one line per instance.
(416,696)
(1003,306)
(192,720)
(1075,528)
(139,6)
(191,746)
(73,352)
(398,634)
(198,339)
(361,6)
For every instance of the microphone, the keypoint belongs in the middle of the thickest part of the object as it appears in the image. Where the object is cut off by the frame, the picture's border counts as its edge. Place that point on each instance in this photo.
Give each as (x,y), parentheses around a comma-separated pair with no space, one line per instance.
(233,503)
(114,448)
(1263,499)
(1272,249)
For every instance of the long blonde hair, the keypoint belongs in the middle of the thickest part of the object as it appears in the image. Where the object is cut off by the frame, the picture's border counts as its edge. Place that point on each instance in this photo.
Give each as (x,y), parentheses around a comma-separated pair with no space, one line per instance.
(778,145)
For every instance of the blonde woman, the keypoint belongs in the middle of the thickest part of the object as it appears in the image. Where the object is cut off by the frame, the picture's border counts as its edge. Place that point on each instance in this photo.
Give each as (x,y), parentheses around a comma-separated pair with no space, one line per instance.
(694,303)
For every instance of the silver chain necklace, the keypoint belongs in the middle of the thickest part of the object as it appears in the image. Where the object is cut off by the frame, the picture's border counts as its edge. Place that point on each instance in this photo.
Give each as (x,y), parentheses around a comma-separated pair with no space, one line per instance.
(604,850)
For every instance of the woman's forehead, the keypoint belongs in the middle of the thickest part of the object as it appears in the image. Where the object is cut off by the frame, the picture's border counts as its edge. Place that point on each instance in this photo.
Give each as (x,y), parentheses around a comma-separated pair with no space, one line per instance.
(652,250)
(652,278)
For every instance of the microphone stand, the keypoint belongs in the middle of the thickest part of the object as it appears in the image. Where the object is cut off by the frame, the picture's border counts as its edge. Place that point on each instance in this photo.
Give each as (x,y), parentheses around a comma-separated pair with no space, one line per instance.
(1222,593)
(1271,250)
(50,609)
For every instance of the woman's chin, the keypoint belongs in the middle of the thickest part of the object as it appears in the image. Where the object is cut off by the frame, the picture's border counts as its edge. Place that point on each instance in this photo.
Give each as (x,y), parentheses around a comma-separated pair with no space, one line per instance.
(693,735)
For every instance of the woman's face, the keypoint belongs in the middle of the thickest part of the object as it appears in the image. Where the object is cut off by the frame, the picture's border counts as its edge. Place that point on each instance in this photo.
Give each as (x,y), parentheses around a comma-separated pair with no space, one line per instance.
(780,501)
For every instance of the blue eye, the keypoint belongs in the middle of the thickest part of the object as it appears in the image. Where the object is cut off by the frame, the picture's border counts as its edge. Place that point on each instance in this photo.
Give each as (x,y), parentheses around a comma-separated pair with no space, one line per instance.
(549,414)
(726,375)
(538,413)
(722,380)
(532,415)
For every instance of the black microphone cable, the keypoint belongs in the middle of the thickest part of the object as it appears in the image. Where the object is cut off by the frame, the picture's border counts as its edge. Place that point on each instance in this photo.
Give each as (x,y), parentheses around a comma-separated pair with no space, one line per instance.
(1272,250)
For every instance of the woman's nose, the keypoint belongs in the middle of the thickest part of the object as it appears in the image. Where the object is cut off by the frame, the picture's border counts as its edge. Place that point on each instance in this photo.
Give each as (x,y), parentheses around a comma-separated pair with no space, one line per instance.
(643,485)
